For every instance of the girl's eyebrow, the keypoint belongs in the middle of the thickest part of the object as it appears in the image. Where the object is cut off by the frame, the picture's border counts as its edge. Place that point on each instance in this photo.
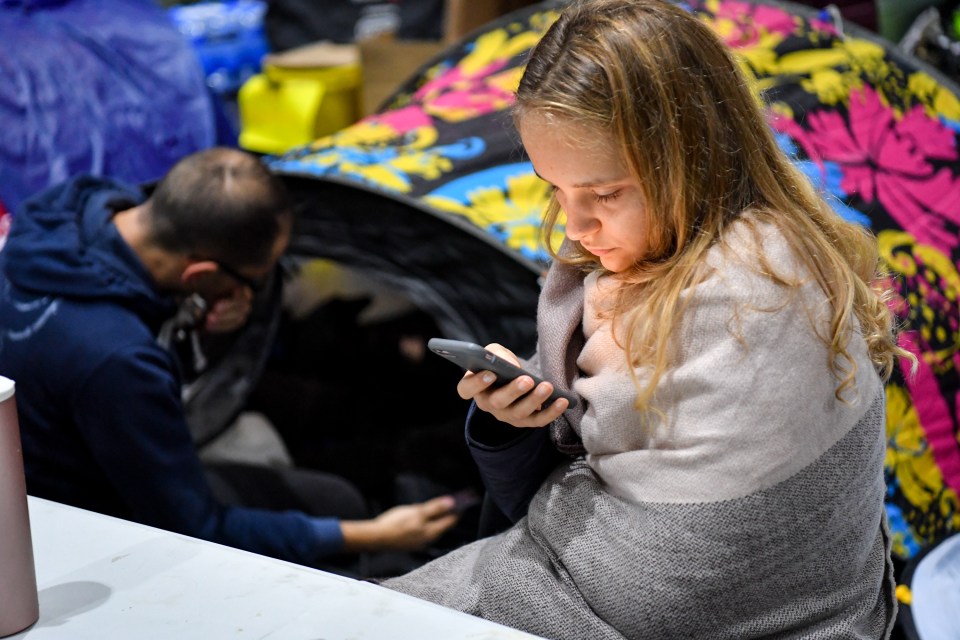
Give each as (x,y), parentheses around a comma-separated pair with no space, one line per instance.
(583,185)
(596,183)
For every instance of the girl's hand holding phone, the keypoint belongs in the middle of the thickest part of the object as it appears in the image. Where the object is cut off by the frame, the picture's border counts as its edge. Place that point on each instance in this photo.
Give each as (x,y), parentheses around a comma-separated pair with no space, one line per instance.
(518,402)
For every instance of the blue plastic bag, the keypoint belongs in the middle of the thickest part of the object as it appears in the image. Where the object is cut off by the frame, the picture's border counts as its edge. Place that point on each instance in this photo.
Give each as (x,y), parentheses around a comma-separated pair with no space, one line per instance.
(107,87)
(228,38)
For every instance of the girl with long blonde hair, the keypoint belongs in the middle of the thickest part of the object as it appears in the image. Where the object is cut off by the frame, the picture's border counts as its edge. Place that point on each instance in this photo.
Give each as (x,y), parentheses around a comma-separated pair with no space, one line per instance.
(722,475)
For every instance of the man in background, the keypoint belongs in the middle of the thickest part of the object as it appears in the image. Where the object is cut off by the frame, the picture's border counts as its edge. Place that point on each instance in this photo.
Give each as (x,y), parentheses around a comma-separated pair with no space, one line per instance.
(90,272)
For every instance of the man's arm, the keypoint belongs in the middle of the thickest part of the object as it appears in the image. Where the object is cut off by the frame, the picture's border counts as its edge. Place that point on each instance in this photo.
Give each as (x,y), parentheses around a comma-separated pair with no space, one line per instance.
(131,418)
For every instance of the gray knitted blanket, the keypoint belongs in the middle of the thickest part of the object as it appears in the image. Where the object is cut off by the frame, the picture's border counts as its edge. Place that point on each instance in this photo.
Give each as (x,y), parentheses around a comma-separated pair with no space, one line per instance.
(781,563)
(757,511)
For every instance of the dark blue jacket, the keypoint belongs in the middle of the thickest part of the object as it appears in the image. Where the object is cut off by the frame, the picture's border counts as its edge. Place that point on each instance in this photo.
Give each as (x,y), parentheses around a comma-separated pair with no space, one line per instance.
(101,419)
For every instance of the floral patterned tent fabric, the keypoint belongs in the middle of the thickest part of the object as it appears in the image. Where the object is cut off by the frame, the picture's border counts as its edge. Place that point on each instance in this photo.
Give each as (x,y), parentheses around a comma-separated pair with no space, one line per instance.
(440,167)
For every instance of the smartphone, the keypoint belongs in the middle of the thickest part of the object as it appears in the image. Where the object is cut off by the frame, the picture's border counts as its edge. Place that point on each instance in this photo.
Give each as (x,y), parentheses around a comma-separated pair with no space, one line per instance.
(473,357)
(465,499)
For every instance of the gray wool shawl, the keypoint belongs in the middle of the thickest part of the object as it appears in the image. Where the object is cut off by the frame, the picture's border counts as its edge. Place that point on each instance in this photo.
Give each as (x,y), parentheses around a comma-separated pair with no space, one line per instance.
(750,507)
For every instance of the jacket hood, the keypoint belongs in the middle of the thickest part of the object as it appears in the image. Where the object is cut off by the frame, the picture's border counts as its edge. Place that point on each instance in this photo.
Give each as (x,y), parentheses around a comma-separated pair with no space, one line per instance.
(63,243)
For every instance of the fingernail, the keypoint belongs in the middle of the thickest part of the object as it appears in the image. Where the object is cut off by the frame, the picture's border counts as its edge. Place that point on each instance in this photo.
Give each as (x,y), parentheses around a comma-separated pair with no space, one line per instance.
(488,377)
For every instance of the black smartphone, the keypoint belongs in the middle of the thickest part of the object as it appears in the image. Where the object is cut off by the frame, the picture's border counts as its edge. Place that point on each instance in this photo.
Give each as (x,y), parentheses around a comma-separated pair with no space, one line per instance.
(465,499)
(473,357)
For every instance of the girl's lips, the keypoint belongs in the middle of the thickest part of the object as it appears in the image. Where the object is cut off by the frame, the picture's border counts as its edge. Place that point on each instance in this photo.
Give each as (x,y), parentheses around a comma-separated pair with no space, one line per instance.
(598,252)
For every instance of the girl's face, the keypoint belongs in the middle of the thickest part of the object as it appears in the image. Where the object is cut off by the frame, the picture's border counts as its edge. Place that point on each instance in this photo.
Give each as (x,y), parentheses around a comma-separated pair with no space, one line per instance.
(603,203)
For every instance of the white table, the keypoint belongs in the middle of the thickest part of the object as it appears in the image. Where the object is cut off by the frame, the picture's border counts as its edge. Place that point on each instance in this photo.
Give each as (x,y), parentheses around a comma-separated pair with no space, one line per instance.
(936,592)
(100,577)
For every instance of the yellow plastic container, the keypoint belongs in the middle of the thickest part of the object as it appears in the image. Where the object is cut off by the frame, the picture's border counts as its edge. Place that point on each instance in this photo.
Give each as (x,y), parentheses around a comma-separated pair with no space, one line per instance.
(297,98)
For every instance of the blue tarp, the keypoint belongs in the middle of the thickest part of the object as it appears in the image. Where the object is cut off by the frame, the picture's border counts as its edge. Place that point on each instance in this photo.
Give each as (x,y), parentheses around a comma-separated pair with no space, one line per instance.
(108,87)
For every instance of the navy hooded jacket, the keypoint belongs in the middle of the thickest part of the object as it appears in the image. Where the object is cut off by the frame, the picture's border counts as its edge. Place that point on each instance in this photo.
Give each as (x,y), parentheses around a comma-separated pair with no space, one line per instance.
(101,419)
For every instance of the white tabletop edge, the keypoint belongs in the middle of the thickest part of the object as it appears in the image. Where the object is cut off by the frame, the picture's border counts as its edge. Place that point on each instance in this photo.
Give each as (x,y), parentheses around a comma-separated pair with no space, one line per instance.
(100,576)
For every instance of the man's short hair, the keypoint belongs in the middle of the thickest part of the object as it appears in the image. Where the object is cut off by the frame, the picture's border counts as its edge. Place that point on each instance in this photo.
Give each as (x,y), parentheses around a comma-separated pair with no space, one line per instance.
(219,204)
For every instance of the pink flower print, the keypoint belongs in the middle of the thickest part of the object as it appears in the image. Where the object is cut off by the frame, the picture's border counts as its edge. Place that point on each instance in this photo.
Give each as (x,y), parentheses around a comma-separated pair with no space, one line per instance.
(457,96)
(746,22)
(468,103)
(824,26)
(402,120)
(456,77)
(888,160)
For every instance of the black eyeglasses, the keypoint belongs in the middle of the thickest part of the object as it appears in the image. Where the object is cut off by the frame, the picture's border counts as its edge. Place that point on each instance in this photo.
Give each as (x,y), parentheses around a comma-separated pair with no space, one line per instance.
(254,285)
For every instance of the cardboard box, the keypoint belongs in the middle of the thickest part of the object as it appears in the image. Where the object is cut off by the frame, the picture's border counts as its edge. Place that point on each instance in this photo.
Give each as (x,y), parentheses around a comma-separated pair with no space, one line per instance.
(388,63)
(460,17)
(463,16)
(313,56)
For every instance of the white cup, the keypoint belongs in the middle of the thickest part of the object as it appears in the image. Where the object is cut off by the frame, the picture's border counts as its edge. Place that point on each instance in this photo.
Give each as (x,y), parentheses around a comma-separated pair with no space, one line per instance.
(19,606)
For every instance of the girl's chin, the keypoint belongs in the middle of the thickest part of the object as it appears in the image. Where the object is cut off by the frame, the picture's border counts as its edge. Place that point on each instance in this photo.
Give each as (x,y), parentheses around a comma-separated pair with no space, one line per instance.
(611,264)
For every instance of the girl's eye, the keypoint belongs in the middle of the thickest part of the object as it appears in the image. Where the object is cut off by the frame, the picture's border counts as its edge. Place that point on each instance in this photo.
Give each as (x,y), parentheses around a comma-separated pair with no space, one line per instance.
(607,197)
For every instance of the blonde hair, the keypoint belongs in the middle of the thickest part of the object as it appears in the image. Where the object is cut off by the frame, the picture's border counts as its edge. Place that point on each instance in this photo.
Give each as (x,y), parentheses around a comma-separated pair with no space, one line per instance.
(668,92)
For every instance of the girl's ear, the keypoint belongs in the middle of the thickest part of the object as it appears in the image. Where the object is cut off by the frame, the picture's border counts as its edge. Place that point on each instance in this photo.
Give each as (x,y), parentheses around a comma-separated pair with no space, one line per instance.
(195,272)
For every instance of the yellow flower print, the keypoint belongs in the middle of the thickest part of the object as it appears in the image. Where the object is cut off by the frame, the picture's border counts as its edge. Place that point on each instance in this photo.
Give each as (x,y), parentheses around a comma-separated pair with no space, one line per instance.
(507,81)
(908,455)
(833,74)
(939,100)
(429,166)
(934,507)
(361,153)
(932,283)
(830,86)
(495,46)
(830,73)
(372,131)
(512,214)
(541,21)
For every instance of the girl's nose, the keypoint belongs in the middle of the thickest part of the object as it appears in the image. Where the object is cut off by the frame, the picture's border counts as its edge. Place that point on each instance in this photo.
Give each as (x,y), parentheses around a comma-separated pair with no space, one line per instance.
(580,222)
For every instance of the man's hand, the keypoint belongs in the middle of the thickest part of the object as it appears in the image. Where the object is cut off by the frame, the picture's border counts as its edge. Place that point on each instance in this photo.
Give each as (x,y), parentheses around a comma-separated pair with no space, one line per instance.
(229,314)
(516,403)
(407,527)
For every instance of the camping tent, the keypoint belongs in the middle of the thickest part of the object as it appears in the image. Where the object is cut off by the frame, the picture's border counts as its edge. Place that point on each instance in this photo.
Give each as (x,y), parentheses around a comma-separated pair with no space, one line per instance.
(434,195)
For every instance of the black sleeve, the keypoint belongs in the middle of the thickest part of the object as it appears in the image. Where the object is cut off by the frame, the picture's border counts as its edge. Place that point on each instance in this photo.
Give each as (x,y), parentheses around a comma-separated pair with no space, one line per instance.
(513,462)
